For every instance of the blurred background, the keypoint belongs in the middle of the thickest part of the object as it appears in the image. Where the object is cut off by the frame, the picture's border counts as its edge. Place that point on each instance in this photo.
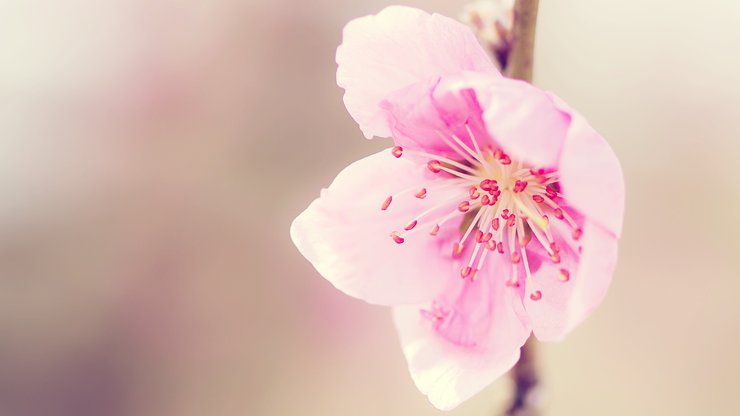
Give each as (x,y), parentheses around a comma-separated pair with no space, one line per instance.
(154,153)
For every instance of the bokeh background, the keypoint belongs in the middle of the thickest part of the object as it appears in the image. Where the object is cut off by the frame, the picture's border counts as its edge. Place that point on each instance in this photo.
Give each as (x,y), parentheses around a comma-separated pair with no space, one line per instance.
(154,153)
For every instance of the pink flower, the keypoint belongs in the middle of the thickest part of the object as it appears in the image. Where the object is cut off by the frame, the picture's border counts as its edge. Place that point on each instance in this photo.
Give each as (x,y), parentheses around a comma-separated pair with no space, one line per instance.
(495,215)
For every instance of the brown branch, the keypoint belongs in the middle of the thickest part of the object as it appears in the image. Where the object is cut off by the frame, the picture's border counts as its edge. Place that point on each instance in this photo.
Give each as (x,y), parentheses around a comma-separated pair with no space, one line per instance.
(524,374)
(521,56)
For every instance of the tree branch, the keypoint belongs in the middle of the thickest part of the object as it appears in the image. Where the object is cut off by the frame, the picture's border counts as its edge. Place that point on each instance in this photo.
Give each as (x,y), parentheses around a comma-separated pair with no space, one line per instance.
(524,375)
(521,56)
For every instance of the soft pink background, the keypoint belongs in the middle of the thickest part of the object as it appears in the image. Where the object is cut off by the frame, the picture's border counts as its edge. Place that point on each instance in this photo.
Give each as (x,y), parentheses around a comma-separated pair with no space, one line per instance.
(153,154)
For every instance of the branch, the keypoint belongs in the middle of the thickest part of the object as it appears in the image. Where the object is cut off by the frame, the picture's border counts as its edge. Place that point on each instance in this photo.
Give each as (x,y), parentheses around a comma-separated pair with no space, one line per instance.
(524,375)
(521,56)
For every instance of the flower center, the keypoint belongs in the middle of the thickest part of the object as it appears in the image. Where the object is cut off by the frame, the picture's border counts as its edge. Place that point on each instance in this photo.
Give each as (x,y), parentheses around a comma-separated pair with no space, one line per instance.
(505,205)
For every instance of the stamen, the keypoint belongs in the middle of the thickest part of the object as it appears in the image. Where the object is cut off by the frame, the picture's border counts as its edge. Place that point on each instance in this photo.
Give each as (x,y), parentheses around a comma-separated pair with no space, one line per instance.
(467,148)
(515,257)
(453,172)
(545,242)
(520,186)
(457,150)
(525,260)
(465,272)
(434,165)
(397,238)
(439,158)
(555,258)
(472,224)
(477,148)
(474,194)
(386,203)
(520,196)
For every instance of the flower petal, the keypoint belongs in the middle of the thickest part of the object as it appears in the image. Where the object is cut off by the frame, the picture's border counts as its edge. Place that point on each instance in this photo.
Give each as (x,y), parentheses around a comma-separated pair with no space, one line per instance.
(524,120)
(346,235)
(591,176)
(397,47)
(426,115)
(521,119)
(565,304)
(444,364)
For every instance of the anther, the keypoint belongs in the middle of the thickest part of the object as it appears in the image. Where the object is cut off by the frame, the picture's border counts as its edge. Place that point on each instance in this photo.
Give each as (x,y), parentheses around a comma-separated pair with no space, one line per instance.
(550,193)
(511,221)
(410,226)
(479,236)
(435,230)
(555,258)
(474,193)
(397,238)
(500,247)
(577,233)
(397,151)
(559,213)
(512,283)
(421,194)
(485,200)
(564,275)
(464,206)
(465,271)
(539,175)
(434,166)
(486,237)
(536,295)
(487,184)
(515,257)
(457,249)
(495,224)
(520,186)
(554,247)
(386,203)
(538,198)
(491,245)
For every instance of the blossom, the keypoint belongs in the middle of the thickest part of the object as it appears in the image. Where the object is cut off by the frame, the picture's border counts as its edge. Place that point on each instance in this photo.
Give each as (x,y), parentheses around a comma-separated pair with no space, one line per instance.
(495,215)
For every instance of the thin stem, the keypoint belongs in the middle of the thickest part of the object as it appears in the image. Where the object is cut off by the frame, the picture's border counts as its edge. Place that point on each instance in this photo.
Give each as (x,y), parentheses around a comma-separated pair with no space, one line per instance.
(521,54)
